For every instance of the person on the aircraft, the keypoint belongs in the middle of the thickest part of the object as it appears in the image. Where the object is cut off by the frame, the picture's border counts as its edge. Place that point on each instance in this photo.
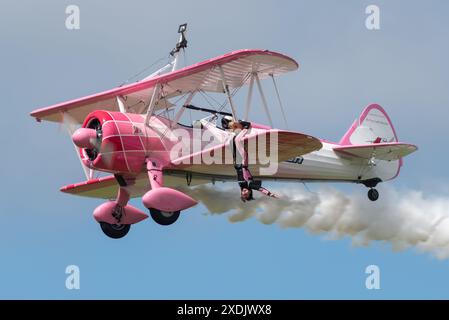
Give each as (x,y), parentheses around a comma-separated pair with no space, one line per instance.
(228,123)
(245,179)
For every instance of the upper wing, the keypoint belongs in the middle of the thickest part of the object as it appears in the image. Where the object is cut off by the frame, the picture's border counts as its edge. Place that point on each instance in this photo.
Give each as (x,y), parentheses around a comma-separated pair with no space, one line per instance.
(205,76)
(381,151)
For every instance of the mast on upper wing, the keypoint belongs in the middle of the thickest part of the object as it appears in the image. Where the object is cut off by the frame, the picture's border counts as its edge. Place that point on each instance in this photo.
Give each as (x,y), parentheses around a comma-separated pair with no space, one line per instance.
(174,54)
(182,44)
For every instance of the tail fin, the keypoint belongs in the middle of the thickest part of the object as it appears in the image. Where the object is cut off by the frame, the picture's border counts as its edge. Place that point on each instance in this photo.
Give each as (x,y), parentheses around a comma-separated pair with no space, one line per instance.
(373,130)
(373,126)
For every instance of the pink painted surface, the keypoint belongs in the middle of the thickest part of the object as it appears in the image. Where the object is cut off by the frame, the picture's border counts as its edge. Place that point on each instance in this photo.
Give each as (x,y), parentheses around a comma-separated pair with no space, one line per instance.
(155,174)
(124,144)
(132,215)
(84,138)
(167,199)
(260,126)
(344,141)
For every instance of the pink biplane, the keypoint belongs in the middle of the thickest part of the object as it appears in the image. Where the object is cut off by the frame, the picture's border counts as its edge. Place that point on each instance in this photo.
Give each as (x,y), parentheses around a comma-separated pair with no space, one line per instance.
(133,133)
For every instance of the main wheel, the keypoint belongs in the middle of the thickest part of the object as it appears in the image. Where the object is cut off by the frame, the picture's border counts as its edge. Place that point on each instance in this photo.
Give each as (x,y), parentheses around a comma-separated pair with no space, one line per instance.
(164,218)
(373,194)
(115,231)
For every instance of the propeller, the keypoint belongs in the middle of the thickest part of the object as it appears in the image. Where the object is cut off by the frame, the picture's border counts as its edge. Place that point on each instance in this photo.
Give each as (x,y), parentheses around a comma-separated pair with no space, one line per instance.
(71,125)
(85,138)
(88,138)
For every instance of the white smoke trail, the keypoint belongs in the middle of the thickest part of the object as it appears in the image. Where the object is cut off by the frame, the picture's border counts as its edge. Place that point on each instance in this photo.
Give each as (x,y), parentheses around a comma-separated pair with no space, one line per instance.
(403,219)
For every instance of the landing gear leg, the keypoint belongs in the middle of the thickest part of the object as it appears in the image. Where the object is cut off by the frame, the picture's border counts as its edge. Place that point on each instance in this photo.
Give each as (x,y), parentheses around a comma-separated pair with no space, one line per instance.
(373,194)
(165,204)
(117,230)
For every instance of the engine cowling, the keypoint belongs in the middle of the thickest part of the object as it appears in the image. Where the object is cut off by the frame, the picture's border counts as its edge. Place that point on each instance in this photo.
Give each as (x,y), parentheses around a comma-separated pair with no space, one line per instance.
(111,141)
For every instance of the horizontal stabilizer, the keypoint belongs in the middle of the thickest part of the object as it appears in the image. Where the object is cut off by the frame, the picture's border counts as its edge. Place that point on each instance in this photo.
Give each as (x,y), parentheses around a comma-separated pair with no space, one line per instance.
(381,151)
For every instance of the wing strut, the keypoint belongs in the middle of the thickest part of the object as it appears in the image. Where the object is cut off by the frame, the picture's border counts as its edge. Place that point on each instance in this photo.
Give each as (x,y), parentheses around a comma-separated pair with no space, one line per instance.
(228,94)
(264,101)
(281,106)
(249,97)
(154,98)
(121,105)
(181,111)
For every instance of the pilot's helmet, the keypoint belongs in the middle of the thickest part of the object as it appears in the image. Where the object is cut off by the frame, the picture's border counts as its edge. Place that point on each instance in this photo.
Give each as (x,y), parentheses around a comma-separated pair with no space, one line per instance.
(225,121)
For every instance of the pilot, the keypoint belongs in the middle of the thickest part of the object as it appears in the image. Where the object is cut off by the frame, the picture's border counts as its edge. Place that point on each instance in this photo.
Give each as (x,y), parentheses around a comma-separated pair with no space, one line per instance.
(228,123)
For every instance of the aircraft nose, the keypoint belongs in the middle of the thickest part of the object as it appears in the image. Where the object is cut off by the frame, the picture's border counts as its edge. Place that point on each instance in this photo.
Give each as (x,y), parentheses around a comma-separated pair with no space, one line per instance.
(85,138)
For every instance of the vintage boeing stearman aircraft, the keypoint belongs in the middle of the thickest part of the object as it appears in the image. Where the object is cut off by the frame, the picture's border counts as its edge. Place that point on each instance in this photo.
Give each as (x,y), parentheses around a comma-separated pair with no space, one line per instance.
(128,132)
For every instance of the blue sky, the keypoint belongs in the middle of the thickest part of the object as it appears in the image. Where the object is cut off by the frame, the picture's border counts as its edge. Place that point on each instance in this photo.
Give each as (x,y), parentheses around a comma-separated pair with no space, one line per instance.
(344,67)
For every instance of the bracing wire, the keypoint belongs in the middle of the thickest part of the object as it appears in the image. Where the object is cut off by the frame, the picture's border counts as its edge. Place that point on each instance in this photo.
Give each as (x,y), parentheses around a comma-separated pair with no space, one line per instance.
(280,101)
(307,188)
(142,71)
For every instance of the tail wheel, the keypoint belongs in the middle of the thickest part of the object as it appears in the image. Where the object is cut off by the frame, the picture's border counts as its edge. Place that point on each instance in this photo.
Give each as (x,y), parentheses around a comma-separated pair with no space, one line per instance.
(115,231)
(164,218)
(373,194)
